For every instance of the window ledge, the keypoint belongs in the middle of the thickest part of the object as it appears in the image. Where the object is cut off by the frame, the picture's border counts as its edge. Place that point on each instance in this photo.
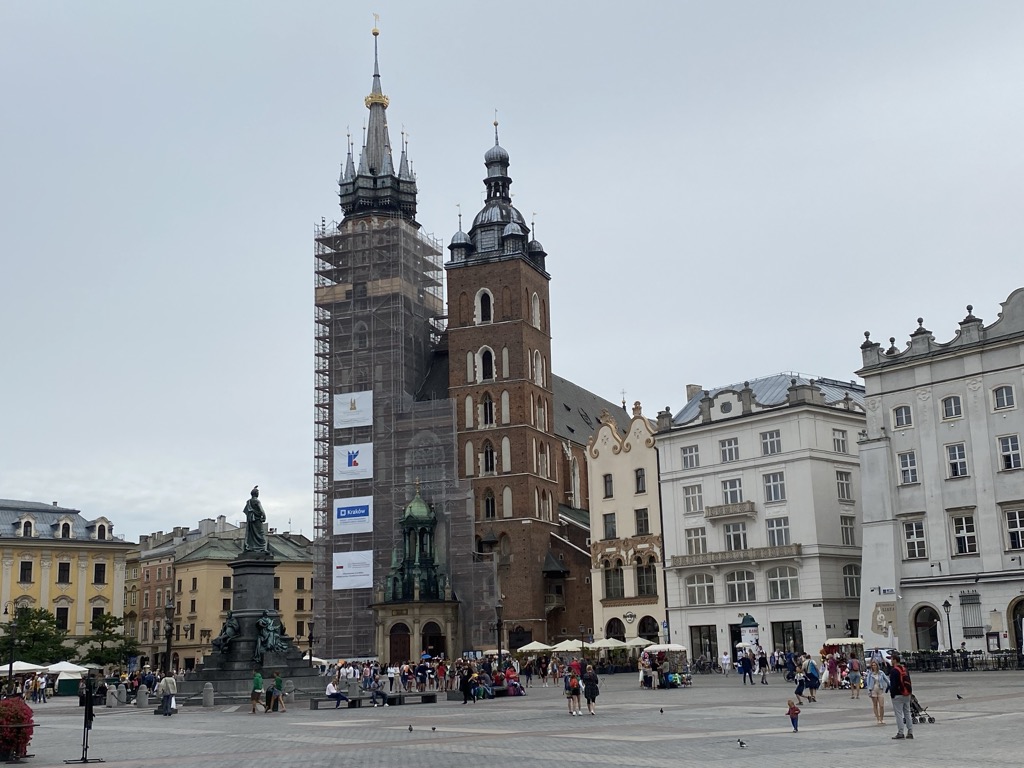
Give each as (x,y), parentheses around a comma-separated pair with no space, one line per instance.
(848,502)
(959,556)
(958,477)
(1011,469)
(907,485)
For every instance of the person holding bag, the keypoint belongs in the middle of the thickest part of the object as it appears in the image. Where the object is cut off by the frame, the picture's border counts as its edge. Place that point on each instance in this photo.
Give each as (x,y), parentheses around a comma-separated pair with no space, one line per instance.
(590,688)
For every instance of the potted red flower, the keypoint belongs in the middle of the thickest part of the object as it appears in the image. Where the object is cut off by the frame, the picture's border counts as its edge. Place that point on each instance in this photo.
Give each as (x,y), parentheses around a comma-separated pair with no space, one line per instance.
(16,728)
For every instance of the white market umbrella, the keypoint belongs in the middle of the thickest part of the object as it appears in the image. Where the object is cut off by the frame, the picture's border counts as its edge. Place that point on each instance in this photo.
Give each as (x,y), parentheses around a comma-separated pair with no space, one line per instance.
(22,668)
(534,647)
(638,642)
(316,660)
(66,666)
(609,642)
(666,647)
(567,646)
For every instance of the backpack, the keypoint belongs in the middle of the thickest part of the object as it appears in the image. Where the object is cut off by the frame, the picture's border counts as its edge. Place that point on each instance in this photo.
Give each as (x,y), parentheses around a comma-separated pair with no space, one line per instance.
(854,665)
(899,682)
(574,683)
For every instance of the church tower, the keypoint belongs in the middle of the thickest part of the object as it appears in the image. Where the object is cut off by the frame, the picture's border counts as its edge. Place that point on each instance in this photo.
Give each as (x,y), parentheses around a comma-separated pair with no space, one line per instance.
(380,432)
(499,343)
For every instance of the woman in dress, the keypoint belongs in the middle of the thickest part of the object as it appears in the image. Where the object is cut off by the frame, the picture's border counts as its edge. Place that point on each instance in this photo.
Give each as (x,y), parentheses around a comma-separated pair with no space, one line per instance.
(877,683)
(590,687)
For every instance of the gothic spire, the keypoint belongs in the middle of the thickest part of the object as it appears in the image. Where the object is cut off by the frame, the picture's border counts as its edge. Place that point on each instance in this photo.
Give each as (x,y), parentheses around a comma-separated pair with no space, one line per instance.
(372,184)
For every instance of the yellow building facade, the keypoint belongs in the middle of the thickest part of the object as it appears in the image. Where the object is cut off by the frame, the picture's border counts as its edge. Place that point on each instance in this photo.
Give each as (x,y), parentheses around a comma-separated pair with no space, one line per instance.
(54,558)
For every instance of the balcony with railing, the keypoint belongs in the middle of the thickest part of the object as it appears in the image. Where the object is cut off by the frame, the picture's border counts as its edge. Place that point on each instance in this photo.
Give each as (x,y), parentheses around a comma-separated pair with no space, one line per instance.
(757,554)
(723,511)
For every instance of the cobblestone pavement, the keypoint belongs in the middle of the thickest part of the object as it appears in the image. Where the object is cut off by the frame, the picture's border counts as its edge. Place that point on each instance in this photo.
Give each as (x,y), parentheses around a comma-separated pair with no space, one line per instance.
(699,726)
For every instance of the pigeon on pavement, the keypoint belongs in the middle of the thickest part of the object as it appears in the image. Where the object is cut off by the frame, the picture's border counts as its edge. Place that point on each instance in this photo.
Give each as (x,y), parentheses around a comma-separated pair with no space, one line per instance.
(410,729)
(742,743)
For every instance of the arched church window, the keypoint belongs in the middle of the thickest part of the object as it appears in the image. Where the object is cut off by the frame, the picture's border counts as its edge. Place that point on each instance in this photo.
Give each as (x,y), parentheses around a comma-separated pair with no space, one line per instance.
(487,365)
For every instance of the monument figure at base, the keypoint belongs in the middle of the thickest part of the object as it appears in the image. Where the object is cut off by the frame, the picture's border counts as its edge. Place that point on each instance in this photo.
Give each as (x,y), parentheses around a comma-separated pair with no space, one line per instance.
(268,637)
(228,632)
(255,524)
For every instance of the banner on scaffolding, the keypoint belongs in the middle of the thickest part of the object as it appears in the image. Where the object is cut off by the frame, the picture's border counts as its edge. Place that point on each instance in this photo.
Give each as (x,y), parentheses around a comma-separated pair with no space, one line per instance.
(353,570)
(353,409)
(353,462)
(353,515)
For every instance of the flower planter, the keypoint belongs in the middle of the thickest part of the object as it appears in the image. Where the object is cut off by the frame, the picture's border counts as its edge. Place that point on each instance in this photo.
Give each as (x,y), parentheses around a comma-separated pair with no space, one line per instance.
(16,728)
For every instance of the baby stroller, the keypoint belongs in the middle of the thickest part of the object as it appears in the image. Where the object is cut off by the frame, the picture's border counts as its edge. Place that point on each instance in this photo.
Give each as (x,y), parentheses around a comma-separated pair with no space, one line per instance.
(919,714)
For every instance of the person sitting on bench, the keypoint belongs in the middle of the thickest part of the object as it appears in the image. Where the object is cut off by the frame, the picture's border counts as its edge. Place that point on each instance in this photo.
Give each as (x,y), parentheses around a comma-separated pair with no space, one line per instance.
(376,690)
(335,694)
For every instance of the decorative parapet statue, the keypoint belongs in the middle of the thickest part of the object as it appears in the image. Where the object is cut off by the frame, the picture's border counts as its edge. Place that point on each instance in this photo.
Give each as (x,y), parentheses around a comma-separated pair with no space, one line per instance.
(255,525)
(228,632)
(269,637)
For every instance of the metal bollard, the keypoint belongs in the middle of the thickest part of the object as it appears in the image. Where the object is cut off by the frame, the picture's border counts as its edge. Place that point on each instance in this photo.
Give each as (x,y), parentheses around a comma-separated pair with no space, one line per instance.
(208,695)
(142,697)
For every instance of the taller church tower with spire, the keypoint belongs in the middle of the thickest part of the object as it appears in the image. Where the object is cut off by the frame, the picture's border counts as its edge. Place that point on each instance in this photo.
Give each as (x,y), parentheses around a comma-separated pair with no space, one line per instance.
(384,425)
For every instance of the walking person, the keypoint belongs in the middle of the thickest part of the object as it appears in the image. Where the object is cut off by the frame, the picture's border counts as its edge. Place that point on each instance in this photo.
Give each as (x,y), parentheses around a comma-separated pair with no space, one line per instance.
(853,675)
(167,690)
(813,676)
(746,668)
(256,695)
(901,690)
(725,662)
(277,693)
(794,715)
(877,683)
(572,692)
(591,690)
(763,667)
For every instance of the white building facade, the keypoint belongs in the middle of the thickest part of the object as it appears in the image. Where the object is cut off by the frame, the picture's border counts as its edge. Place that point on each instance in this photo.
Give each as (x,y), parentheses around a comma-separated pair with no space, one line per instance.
(625,524)
(943,487)
(760,514)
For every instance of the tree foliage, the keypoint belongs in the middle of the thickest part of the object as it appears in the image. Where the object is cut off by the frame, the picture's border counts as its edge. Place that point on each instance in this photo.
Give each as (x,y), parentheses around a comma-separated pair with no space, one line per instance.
(37,639)
(108,644)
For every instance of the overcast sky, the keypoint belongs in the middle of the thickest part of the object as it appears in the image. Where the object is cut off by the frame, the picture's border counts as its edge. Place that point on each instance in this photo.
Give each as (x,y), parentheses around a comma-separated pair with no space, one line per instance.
(725,191)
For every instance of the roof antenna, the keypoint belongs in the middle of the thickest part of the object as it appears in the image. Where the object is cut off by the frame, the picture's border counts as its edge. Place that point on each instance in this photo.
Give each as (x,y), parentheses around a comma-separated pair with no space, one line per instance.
(495,127)
(459,206)
(533,225)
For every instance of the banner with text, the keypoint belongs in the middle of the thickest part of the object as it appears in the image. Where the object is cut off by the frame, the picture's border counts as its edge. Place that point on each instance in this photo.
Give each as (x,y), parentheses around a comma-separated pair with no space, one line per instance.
(353,409)
(353,515)
(353,570)
(353,462)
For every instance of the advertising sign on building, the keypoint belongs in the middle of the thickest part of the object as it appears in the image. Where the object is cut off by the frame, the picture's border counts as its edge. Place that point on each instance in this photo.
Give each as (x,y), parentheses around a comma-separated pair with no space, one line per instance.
(353,570)
(353,462)
(353,409)
(353,515)
(884,617)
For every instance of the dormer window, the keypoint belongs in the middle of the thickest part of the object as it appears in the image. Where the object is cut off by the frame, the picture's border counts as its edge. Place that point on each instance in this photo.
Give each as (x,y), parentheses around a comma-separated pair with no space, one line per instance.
(26,529)
(65,530)
(101,533)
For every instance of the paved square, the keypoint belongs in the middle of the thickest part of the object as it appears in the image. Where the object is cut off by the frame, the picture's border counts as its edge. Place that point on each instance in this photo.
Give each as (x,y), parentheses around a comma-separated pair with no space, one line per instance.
(699,726)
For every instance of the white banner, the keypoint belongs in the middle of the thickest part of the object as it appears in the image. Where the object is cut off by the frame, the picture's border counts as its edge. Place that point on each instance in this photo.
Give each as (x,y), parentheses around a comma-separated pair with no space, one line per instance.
(353,515)
(353,462)
(353,570)
(353,409)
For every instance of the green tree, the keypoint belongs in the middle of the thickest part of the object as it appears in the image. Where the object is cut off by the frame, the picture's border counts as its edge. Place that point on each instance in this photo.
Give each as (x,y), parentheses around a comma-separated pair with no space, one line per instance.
(37,638)
(108,644)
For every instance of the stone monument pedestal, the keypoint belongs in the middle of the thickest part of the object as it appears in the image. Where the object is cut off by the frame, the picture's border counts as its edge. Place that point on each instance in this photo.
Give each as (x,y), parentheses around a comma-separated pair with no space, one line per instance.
(231,671)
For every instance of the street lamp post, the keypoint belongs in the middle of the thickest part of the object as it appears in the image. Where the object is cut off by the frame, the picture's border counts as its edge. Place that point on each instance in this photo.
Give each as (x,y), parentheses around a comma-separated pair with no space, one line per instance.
(947,606)
(497,628)
(582,630)
(168,632)
(310,643)
(12,626)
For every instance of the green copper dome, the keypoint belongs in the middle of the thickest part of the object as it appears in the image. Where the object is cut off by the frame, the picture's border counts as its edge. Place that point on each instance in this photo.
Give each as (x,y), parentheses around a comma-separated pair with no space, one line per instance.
(418,509)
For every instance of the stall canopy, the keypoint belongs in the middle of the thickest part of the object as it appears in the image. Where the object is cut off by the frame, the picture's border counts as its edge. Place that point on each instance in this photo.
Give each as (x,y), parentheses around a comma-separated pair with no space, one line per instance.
(571,645)
(638,642)
(66,666)
(844,641)
(534,647)
(666,647)
(23,668)
(609,642)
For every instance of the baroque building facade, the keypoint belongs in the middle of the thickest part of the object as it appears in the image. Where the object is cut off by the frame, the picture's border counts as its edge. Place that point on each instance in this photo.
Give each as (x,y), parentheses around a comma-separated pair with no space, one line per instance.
(761,515)
(943,486)
(56,559)
(627,579)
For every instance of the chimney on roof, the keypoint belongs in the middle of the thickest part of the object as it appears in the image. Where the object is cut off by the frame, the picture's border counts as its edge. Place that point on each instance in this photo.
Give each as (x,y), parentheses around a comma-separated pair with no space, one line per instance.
(665,420)
(692,390)
(221,520)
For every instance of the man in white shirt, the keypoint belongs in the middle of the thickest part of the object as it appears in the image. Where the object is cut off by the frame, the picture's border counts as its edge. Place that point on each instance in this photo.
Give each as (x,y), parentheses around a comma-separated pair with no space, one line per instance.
(335,694)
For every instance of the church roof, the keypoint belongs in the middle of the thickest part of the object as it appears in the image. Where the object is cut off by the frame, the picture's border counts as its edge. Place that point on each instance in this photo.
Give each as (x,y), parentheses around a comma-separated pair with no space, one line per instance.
(552,567)
(576,411)
(418,509)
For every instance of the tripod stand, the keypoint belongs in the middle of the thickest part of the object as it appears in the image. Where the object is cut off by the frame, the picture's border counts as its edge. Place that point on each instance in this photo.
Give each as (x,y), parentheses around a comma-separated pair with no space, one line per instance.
(89,717)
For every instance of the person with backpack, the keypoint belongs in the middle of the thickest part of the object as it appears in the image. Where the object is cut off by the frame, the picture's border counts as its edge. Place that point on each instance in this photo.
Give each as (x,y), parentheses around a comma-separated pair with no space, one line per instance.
(813,678)
(853,675)
(900,689)
(572,692)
